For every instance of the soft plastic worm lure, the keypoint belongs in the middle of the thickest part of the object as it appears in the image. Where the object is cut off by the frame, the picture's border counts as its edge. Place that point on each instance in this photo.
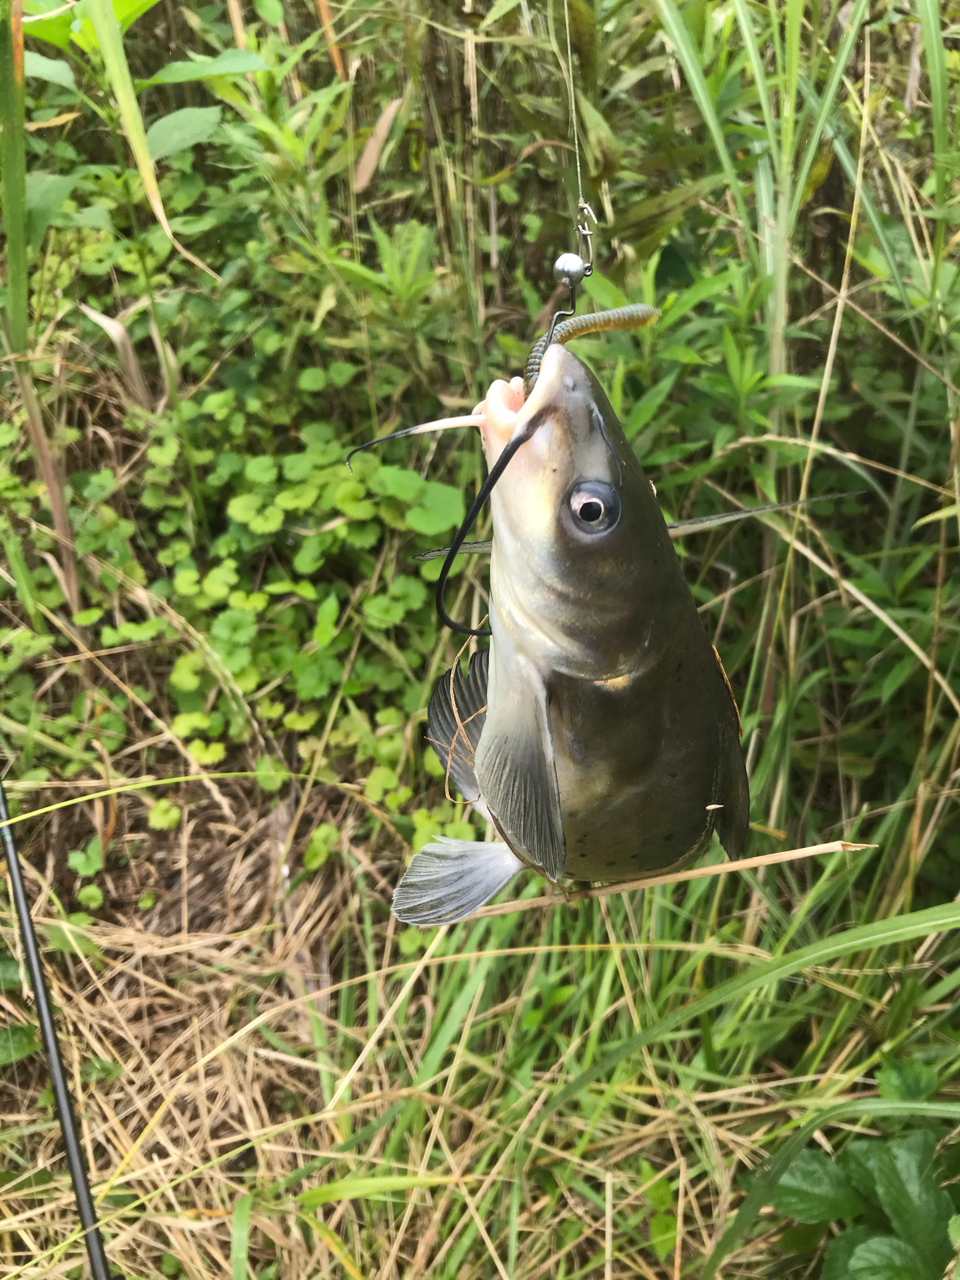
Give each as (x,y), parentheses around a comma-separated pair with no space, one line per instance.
(637,316)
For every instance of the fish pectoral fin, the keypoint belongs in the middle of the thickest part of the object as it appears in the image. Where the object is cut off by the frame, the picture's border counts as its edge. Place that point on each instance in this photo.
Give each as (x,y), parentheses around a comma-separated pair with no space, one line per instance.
(448,880)
(455,721)
(518,777)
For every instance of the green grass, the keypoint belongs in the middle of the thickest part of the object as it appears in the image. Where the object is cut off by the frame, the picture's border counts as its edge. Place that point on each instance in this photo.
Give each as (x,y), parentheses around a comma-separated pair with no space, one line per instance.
(216,647)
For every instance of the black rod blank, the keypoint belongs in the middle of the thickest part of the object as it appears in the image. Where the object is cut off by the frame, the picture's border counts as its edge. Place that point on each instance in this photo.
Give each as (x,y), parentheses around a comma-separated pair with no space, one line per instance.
(58,1076)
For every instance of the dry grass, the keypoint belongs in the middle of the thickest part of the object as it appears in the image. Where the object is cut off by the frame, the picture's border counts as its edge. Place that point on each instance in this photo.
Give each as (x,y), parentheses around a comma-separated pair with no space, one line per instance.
(232,1045)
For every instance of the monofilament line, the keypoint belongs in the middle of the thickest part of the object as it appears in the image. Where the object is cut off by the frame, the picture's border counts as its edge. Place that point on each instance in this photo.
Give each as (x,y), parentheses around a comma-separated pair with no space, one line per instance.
(573,106)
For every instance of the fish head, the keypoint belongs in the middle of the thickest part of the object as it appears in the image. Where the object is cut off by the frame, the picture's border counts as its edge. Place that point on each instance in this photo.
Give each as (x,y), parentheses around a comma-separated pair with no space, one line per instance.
(576,523)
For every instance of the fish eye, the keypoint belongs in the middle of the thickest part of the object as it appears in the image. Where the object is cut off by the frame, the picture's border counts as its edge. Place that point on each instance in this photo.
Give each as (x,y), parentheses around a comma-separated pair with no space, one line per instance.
(594,506)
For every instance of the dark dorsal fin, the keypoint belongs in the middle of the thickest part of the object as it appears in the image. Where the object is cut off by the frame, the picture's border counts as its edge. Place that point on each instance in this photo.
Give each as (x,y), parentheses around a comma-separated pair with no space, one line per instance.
(456,746)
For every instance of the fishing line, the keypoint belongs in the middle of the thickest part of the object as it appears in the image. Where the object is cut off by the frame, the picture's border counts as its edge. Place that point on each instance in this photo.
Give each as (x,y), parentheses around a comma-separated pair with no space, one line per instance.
(571,93)
(48,1032)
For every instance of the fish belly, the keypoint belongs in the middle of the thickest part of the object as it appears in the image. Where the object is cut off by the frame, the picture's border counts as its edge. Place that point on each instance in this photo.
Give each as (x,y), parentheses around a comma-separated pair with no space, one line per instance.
(638,766)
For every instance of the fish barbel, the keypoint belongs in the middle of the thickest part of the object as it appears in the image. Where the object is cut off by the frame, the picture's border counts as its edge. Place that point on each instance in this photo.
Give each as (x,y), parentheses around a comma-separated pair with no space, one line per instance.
(598,731)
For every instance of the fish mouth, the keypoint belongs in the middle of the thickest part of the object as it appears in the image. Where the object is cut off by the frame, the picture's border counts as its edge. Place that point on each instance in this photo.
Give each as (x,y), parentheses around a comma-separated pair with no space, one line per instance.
(506,407)
(499,413)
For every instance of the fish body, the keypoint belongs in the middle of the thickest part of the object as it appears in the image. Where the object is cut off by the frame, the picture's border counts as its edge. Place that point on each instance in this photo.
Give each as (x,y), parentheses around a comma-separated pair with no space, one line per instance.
(609,747)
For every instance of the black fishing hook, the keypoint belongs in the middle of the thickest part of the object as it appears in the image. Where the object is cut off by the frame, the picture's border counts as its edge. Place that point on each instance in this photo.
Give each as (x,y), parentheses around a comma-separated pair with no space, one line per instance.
(493,475)
(58,1077)
(548,336)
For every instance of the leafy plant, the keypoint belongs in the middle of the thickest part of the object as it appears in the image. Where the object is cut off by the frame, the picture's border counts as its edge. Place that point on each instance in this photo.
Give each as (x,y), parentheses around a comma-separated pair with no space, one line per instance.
(887,1200)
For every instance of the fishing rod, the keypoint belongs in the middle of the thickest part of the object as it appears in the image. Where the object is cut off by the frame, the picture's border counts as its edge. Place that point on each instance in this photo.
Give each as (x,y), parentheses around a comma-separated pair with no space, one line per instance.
(99,1266)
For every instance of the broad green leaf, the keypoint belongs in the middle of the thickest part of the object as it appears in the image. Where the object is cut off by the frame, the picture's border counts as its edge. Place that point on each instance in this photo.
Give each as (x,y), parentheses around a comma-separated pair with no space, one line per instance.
(53,70)
(648,404)
(269,11)
(814,1189)
(382,611)
(411,592)
(91,896)
(182,129)
(86,862)
(322,840)
(676,308)
(231,62)
(82,28)
(312,379)
(299,497)
(244,507)
(600,138)
(836,1259)
(260,469)
(658,1191)
(604,292)
(164,816)
(765,1182)
(46,192)
(17,1042)
(206,753)
(663,1234)
(397,482)
(326,624)
(440,508)
(686,355)
(380,780)
(271,773)
(55,30)
(918,1208)
(69,936)
(887,1258)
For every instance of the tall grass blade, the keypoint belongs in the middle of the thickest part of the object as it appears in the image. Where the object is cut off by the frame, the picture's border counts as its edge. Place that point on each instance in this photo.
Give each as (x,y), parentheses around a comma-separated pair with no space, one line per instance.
(826,106)
(240,1237)
(788,93)
(689,59)
(936,58)
(121,82)
(13,170)
(745,20)
(881,933)
(13,197)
